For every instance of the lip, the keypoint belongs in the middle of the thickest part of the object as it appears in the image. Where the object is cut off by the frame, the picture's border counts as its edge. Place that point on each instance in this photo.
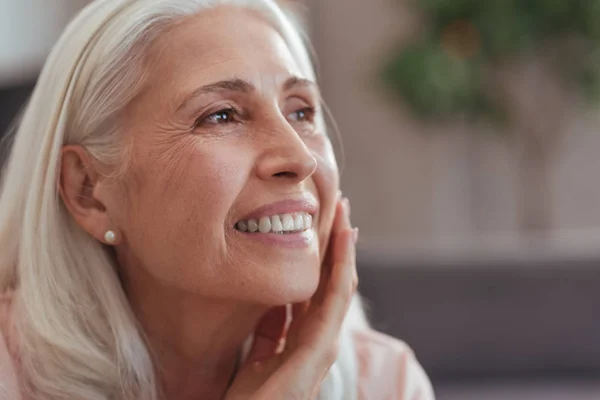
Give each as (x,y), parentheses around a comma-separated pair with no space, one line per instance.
(291,240)
(289,206)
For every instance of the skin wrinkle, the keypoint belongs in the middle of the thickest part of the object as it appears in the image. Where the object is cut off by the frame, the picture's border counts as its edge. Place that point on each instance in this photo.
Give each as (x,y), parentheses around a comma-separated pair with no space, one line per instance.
(179,159)
(178,102)
(236,84)
(197,285)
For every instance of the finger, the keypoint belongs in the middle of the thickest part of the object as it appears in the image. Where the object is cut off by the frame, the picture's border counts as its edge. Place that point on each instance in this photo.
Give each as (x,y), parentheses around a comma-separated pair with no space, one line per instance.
(355,239)
(316,302)
(342,213)
(298,311)
(338,248)
(342,250)
(268,335)
(326,267)
(329,304)
(335,227)
(342,283)
(325,319)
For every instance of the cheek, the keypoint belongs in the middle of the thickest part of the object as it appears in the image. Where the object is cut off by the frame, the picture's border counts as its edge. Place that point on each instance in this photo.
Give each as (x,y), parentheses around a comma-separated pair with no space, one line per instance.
(179,206)
(327,181)
(192,176)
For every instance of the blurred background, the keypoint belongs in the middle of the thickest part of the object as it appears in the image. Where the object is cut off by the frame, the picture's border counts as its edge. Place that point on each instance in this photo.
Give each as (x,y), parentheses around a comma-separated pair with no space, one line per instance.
(470,135)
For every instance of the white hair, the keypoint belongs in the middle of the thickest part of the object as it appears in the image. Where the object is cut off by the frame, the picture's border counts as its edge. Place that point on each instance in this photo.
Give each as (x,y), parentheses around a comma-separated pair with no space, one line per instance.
(78,335)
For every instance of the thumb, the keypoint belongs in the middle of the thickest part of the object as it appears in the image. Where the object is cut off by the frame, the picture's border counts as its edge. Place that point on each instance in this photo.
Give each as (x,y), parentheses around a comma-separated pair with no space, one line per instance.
(268,335)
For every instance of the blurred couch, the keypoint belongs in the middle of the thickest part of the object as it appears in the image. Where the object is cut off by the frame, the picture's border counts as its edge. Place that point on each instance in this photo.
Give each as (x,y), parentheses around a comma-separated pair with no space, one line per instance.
(509,327)
(12,99)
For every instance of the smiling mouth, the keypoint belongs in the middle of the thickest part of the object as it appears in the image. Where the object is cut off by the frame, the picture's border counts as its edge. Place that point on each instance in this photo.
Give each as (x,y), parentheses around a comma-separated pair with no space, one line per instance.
(279,223)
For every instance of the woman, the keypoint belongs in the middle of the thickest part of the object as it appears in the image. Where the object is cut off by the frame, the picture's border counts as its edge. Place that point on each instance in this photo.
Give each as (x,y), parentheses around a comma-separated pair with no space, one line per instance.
(170,221)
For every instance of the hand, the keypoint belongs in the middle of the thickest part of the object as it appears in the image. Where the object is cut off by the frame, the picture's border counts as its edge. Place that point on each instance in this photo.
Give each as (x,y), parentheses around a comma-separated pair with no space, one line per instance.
(310,343)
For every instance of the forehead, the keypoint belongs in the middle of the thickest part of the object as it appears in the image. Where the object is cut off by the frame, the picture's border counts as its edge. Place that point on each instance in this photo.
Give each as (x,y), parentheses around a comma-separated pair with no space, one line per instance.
(221,43)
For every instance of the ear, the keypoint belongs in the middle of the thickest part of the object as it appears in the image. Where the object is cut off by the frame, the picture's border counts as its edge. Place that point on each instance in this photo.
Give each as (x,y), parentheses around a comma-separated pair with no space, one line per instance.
(78,185)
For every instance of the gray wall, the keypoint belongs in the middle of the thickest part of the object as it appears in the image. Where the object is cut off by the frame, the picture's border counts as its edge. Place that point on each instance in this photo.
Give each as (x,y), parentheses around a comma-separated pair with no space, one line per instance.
(415,185)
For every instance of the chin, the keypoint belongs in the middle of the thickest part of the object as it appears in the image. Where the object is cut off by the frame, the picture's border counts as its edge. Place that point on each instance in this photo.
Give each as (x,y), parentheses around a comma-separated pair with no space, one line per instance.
(294,285)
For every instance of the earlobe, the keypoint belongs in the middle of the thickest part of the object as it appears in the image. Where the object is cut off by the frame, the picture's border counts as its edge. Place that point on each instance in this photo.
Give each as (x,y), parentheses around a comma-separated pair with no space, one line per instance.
(110,237)
(76,183)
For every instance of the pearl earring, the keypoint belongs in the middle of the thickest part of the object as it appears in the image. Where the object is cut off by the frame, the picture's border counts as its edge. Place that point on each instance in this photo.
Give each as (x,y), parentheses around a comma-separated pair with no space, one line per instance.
(110,237)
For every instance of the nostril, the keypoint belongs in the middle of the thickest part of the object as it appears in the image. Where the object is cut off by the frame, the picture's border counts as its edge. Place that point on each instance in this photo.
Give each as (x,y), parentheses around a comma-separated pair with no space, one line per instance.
(286,174)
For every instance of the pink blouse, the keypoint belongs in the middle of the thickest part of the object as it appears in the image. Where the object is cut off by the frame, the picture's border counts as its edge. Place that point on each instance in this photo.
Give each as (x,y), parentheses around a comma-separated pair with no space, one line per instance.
(388,369)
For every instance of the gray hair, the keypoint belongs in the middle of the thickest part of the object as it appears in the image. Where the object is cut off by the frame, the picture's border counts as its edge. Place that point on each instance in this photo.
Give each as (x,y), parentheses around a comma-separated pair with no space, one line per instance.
(78,335)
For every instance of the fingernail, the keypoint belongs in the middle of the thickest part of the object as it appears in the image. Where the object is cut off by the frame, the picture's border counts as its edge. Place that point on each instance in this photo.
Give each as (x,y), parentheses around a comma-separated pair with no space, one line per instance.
(339,194)
(355,235)
(346,204)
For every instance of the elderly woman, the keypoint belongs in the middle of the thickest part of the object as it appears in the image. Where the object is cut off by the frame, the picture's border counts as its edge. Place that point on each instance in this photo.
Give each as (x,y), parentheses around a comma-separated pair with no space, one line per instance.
(170,221)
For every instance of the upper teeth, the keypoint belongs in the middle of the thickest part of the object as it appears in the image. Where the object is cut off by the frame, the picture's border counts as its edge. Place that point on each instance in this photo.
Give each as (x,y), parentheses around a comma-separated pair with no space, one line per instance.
(277,223)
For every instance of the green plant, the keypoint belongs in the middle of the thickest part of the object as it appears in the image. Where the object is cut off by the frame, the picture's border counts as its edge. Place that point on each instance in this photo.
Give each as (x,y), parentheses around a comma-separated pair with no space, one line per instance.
(457,68)
(444,72)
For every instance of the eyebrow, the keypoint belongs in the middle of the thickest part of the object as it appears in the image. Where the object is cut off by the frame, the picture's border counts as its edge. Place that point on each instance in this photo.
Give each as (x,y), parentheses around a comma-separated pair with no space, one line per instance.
(242,86)
(296,81)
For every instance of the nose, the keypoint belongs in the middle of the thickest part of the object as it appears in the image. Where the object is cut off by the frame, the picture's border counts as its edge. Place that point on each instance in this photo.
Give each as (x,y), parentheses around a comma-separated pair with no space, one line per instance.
(286,156)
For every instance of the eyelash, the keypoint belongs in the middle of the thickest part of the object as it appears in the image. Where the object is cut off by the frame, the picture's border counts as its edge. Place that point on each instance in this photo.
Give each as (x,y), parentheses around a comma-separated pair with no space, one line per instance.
(309,117)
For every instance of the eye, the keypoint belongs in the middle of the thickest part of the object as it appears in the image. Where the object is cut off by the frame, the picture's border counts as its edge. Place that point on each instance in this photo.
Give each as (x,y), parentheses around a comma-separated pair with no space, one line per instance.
(306,114)
(224,116)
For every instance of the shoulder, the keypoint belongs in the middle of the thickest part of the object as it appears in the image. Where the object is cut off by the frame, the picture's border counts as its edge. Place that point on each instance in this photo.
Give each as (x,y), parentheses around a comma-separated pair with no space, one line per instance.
(9,389)
(388,369)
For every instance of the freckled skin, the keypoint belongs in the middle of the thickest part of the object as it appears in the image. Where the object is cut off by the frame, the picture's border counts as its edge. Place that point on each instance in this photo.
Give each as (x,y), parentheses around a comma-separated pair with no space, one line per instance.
(187,186)
(197,165)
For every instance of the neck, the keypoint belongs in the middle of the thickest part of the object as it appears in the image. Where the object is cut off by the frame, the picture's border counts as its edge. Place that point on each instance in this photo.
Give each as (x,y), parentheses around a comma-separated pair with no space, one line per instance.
(195,342)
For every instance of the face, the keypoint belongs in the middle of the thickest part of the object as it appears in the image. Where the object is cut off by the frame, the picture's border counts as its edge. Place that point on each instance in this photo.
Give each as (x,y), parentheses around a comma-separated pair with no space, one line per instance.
(226,139)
